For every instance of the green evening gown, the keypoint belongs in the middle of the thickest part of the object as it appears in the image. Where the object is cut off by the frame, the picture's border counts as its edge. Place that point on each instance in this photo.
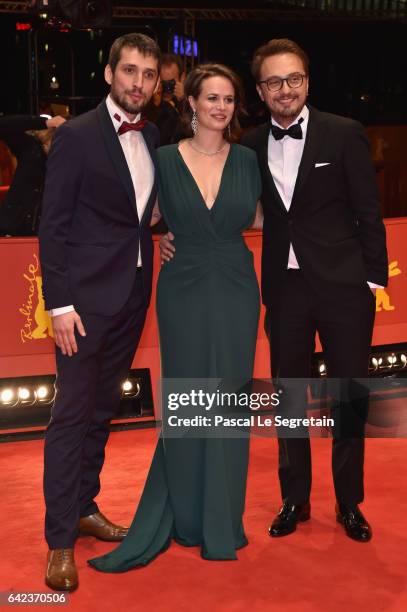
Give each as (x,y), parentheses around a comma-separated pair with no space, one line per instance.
(208,309)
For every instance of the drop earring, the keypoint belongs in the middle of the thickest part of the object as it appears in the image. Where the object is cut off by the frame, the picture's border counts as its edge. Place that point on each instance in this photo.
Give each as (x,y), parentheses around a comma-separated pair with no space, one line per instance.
(194,122)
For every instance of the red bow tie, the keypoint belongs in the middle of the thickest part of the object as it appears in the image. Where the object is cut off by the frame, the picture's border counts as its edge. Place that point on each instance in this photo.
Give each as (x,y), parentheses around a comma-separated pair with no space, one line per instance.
(126,126)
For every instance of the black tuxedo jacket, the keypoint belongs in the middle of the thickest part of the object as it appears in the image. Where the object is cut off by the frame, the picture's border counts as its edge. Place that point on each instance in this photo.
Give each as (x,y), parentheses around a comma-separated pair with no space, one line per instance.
(90,232)
(334,220)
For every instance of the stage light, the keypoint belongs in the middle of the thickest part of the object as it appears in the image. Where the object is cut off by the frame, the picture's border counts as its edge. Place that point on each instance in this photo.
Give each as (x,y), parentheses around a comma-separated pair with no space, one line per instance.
(388,363)
(131,388)
(42,392)
(54,84)
(384,361)
(7,395)
(23,393)
(26,402)
(127,386)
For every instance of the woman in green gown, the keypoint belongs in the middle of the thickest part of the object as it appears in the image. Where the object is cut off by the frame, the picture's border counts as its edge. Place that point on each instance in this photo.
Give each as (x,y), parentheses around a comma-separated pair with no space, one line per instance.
(208,309)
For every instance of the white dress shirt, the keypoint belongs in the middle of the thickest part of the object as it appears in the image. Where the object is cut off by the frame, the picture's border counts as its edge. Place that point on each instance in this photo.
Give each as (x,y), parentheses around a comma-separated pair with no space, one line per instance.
(140,166)
(284,158)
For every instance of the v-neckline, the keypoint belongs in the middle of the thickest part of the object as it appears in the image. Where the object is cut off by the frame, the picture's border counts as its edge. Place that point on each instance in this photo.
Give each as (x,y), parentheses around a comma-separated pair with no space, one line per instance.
(209,210)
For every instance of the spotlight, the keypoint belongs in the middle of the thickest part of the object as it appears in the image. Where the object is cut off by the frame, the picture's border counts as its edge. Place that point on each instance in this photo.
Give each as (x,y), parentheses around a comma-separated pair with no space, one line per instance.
(42,392)
(387,361)
(7,395)
(131,388)
(23,393)
(25,402)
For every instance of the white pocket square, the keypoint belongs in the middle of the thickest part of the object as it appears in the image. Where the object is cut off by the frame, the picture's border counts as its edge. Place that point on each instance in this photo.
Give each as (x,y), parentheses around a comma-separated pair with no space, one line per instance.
(322,164)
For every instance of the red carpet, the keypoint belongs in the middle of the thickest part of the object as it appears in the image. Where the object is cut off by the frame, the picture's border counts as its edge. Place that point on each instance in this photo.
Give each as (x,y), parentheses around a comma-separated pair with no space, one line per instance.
(317,568)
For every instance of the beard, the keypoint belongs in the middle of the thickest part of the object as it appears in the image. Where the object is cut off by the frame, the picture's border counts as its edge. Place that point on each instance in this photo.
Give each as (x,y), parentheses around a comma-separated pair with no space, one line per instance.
(133,108)
(287,112)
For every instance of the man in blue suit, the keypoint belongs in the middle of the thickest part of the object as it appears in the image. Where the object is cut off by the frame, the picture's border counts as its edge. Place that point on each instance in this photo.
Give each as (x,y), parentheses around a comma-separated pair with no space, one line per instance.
(96,256)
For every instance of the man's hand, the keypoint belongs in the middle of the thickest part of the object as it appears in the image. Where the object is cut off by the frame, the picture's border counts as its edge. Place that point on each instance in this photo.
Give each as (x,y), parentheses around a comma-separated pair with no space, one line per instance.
(167,249)
(179,88)
(55,122)
(64,331)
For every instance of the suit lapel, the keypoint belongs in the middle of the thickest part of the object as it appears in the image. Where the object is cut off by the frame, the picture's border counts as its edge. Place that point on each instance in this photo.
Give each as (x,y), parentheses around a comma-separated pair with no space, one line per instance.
(116,152)
(264,160)
(312,141)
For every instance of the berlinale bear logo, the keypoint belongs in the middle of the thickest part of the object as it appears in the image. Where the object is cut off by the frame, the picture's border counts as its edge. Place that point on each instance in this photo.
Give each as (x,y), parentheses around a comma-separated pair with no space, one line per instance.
(37,323)
(382,297)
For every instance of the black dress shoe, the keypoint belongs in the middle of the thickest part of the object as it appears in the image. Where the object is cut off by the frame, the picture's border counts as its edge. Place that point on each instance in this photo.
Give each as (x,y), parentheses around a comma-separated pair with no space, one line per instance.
(355,524)
(287,519)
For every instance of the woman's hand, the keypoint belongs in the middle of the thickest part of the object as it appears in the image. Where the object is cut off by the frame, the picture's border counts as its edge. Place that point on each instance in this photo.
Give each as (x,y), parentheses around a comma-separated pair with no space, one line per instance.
(167,249)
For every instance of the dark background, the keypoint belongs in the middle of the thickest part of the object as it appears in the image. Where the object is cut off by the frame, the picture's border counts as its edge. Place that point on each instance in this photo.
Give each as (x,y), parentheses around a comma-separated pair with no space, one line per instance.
(358,63)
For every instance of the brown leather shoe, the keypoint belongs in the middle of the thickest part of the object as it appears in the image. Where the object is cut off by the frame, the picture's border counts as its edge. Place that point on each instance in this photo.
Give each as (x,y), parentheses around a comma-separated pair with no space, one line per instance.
(61,572)
(100,527)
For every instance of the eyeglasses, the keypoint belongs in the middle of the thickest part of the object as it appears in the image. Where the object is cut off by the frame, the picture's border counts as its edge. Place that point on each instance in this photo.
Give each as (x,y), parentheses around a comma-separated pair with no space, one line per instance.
(293,81)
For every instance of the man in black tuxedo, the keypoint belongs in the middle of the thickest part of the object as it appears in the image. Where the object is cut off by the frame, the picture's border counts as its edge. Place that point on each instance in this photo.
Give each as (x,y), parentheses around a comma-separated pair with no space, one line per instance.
(96,256)
(324,253)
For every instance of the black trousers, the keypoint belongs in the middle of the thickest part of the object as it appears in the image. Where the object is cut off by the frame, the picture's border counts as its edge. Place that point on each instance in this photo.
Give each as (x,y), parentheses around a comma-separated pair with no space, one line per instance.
(87,397)
(344,321)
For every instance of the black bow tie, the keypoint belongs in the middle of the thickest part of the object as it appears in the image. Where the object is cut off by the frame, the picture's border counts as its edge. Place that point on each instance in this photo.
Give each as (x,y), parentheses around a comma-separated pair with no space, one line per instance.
(294,131)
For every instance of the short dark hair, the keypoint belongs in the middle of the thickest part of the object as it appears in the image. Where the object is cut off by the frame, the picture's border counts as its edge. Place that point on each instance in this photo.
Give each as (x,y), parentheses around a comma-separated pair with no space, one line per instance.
(277,46)
(168,59)
(141,42)
(193,87)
